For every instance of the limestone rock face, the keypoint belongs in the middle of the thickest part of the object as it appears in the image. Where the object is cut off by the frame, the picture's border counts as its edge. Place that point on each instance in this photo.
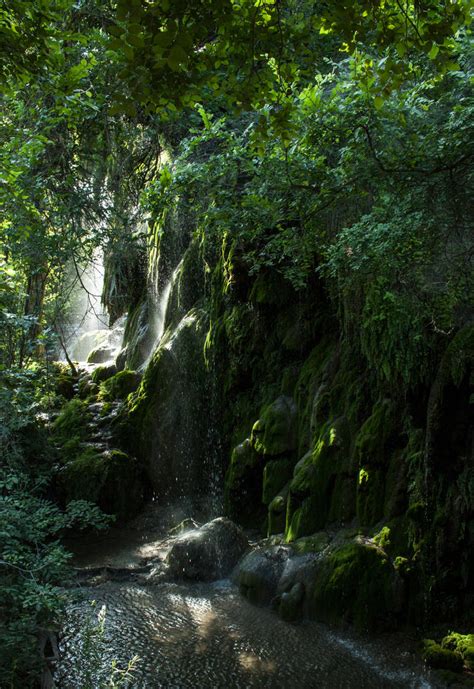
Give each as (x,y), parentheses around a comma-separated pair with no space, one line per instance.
(207,553)
(171,413)
(276,430)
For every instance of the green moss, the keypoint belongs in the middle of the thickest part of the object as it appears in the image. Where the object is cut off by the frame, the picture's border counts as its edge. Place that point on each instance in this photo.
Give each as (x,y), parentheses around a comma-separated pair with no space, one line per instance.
(356,584)
(138,337)
(71,424)
(370,444)
(119,386)
(371,456)
(399,541)
(370,496)
(277,512)
(64,383)
(111,480)
(438,657)
(312,498)
(462,644)
(417,512)
(450,678)
(102,373)
(275,432)
(311,544)
(343,499)
(243,485)
(308,383)
(275,476)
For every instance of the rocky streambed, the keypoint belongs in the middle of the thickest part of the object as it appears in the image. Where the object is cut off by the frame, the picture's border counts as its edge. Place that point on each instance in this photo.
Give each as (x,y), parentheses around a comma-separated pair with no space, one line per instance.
(169,605)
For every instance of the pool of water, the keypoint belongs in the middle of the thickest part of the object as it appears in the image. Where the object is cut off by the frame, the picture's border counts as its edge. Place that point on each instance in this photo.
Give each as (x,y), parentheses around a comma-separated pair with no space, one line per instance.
(206,636)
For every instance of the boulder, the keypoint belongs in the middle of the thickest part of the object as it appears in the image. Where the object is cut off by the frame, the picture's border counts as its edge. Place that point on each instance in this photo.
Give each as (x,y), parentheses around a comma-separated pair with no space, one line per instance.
(260,571)
(291,603)
(100,355)
(209,552)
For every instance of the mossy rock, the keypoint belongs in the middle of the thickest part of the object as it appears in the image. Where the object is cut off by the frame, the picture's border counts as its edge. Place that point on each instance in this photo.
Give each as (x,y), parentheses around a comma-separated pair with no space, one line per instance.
(188,287)
(88,341)
(311,401)
(259,573)
(102,373)
(64,384)
(100,355)
(275,476)
(71,424)
(295,326)
(303,519)
(455,680)
(313,500)
(399,537)
(356,584)
(396,487)
(277,512)
(86,389)
(374,434)
(243,485)
(275,432)
(138,336)
(343,499)
(370,495)
(462,644)
(441,658)
(315,543)
(111,480)
(167,425)
(120,385)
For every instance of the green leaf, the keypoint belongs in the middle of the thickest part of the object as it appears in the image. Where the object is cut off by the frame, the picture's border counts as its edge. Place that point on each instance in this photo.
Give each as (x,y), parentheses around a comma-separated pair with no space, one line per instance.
(177,57)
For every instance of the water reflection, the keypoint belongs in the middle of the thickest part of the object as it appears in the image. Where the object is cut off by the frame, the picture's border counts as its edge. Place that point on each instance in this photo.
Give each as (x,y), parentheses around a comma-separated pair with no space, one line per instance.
(205,636)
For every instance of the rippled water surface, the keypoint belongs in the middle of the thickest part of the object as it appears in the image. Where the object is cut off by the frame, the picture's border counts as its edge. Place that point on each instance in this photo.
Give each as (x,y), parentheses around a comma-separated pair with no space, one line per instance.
(206,636)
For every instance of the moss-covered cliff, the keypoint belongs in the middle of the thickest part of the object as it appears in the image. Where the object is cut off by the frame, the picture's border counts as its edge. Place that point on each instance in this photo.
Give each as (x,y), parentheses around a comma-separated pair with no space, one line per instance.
(256,393)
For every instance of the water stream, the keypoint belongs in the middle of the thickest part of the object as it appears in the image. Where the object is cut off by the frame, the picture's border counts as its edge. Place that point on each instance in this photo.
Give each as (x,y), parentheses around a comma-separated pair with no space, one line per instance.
(205,635)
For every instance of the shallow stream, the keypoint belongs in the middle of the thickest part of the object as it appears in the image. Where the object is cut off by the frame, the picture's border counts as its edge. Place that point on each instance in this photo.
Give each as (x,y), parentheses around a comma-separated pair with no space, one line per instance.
(206,635)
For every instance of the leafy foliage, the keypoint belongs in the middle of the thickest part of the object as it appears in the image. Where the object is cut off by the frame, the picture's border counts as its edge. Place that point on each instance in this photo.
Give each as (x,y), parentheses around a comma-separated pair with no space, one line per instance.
(33,561)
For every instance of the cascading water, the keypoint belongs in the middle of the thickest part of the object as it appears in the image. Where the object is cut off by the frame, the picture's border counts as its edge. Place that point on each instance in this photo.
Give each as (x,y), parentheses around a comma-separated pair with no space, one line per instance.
(86,327)
(160,300)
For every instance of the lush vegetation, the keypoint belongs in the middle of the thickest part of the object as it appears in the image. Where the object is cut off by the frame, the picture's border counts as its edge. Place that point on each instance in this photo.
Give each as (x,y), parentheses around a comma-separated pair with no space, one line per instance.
(318,153)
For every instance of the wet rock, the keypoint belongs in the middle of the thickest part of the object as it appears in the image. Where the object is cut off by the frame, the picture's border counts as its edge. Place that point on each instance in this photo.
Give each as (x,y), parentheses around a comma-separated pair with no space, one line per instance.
(259,573)
(291,603)
(102,373)
(87,342)
(299,569)
(356,583)
(276,430)
(100,355)
(121,359)
(207,553)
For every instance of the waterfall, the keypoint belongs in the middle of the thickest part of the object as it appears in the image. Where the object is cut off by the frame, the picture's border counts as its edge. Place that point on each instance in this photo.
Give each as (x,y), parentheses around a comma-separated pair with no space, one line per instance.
(86,326)
(158,317)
